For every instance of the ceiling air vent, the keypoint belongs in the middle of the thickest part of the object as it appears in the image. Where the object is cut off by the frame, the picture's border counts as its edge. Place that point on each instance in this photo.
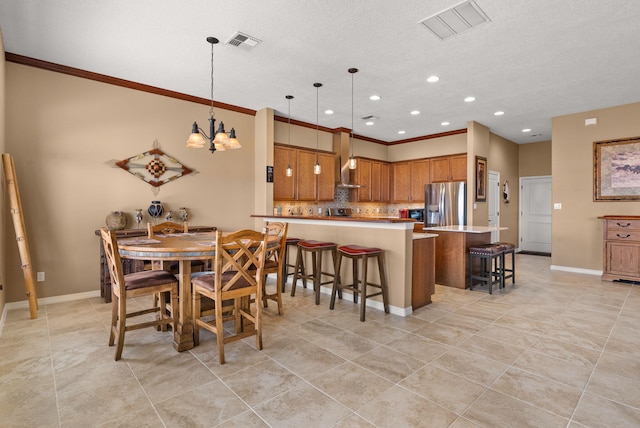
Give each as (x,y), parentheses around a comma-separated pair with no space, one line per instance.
(242,40)
(455,20)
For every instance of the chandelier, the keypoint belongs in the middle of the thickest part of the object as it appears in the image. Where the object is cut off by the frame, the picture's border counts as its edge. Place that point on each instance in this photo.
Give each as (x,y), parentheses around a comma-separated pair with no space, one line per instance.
(218,139)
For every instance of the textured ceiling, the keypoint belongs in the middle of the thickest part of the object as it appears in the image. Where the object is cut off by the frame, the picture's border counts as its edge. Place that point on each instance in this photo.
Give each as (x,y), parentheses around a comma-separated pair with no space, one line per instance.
(534,60)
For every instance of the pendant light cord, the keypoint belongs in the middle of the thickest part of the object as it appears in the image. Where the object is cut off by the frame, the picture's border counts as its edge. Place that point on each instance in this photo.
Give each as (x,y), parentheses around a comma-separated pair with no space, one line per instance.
(317,85)
(211,113)
(351,145)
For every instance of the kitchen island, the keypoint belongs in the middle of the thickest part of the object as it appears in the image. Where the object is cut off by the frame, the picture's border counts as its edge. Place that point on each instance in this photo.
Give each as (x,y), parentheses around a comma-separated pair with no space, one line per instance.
(394,235)
(452,251)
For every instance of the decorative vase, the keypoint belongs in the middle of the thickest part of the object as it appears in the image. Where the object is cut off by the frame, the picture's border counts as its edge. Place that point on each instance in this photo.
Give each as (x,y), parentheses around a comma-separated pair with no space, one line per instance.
(169,216)
(116,220)
(138,217)
(156,209)
(184,215)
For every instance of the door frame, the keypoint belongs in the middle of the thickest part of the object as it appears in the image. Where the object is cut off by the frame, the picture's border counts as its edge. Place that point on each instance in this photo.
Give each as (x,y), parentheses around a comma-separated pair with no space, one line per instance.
(494,197)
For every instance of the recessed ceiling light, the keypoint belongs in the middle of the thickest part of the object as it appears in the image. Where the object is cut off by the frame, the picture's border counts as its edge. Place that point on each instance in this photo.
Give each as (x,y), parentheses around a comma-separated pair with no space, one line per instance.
(401,132)
(374,97)
(469,99)
(498,113)
(328,112)
(444,123)
(526,130)
(369,123)
(415,112)
(433,79)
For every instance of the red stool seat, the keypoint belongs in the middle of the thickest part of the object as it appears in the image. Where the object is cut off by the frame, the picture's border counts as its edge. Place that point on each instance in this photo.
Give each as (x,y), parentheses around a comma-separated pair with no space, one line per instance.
(316,245)
(315,248)
(293,240)
(359,250)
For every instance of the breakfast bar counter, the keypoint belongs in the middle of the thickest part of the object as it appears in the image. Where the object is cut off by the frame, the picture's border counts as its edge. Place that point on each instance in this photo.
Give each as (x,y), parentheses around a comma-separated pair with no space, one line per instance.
(394,235)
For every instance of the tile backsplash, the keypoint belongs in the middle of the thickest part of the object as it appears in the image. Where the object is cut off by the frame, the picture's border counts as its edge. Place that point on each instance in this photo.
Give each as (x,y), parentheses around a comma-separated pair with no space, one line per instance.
(341,200)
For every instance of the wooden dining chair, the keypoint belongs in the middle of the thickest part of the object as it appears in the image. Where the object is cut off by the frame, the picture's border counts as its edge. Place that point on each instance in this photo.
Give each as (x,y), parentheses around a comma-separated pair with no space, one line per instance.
(237,276)
(166,228)
(274,263)
(150,282)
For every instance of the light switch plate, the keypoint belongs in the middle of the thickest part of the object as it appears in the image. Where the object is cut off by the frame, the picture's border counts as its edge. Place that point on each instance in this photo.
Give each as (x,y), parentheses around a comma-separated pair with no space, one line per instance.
(557,206)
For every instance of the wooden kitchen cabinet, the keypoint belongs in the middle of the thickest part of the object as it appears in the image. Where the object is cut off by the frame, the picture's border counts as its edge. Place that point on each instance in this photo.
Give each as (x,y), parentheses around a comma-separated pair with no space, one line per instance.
(419,177)
(304,185)
(326,179)
(374,177)
(284,188)
(408,179)
(449,168)
(400,182)
(621,248)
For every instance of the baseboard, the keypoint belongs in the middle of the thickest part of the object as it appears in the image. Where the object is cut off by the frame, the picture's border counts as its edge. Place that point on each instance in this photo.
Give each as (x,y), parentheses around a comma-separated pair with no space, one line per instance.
(50,300)
(576,270)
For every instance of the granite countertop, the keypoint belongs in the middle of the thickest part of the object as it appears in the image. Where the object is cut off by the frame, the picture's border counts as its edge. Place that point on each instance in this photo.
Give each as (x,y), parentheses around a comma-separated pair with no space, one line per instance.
(465,229)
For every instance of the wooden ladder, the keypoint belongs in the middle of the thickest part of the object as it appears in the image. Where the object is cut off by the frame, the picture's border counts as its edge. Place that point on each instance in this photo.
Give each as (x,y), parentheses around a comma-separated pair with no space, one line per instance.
(21,233)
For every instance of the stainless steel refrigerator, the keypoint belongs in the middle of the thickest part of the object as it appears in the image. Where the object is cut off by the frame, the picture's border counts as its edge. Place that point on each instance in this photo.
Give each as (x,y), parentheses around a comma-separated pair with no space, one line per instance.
(445,204)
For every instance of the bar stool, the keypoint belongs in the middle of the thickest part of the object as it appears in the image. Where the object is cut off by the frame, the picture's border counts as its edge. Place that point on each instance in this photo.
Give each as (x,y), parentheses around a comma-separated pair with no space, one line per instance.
(491,256)
(286,272)
(508,248)
(316,248)
(359,286)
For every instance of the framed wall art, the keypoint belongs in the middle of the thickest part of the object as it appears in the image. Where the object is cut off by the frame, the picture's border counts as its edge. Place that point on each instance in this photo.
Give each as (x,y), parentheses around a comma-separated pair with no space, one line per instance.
(481,179)
(616,170)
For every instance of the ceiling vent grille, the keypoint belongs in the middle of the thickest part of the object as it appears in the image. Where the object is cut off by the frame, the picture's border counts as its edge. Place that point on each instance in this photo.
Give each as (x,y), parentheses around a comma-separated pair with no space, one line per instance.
(244,41)
(455,20)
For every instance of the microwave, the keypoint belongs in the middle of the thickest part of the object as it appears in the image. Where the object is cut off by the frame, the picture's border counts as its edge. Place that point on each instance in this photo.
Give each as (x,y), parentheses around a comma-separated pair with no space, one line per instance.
(416,214)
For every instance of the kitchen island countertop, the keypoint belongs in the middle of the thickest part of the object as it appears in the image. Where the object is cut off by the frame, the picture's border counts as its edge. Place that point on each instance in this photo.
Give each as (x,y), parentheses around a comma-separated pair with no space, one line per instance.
(339,218)
(465,229)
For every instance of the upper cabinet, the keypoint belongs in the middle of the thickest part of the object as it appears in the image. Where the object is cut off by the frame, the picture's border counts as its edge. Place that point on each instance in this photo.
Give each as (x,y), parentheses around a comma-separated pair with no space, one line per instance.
(373,176)
(449,168)
(303,185)
(419,177)
(408,179)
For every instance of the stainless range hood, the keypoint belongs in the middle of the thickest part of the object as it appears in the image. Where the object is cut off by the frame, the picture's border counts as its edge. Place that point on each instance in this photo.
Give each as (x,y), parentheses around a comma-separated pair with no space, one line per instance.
(341,147)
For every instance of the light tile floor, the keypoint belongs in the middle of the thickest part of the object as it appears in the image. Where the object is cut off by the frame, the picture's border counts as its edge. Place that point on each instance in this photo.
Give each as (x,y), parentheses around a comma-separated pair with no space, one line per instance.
(556,350)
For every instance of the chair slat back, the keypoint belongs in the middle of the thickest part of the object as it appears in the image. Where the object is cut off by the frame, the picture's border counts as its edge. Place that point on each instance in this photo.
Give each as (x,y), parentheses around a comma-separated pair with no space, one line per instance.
(239,252)
(167,227)
(276,230)
(114,262)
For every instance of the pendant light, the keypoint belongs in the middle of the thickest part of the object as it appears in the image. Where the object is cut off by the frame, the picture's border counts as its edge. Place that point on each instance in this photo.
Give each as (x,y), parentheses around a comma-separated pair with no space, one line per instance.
(289,170)
(352,159)
(218,139)
(316,167)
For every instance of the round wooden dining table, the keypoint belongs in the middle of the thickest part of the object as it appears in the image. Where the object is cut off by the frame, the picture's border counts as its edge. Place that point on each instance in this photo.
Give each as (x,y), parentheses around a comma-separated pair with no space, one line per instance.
(180,247)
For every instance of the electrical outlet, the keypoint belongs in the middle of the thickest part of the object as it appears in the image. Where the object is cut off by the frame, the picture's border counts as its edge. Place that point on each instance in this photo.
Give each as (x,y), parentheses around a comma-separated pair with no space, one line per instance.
(557,206)
(40,277)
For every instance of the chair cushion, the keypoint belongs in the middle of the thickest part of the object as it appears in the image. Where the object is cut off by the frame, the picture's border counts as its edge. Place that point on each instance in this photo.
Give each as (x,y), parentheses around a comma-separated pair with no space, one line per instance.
(293,241)
(208,281)
(147,278)
(486,250)
(356,250)
(316,245)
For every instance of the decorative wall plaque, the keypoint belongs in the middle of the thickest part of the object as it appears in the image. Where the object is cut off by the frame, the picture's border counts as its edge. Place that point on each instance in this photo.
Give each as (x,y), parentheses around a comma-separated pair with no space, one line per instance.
(154,167)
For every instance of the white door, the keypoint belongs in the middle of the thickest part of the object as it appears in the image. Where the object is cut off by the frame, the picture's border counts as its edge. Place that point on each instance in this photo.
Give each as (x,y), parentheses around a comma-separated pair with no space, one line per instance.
(535,214)
(493,200)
